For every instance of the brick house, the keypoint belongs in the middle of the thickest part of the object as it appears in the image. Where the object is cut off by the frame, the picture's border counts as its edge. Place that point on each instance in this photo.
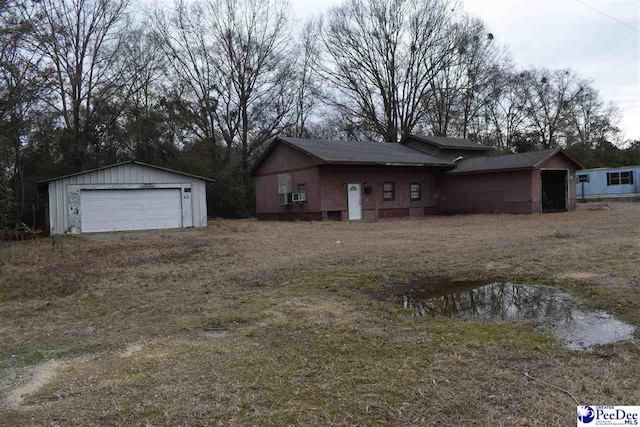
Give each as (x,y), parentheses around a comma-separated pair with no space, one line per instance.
(305,179)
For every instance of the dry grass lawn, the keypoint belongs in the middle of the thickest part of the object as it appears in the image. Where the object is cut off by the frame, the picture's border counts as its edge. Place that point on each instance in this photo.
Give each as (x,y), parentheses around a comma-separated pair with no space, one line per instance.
(262,323)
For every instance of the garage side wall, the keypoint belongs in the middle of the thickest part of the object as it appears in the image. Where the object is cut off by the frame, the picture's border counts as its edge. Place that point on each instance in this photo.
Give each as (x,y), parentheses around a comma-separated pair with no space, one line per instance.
(490,192)
(64,200)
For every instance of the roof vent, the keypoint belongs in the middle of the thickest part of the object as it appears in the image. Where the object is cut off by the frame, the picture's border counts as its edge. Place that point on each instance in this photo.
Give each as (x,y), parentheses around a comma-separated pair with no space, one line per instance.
(457,159)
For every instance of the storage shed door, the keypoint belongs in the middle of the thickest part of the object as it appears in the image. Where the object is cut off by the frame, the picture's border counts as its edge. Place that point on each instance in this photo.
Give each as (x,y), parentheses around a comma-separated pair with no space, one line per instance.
(140,209)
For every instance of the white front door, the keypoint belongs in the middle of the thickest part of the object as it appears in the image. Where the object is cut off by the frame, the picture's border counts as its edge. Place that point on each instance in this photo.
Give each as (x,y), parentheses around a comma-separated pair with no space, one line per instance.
(355,202)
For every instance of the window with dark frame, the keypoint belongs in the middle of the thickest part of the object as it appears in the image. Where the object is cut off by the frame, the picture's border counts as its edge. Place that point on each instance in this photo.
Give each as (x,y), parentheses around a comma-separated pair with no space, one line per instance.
(620,178)
(388,191)
(416,191)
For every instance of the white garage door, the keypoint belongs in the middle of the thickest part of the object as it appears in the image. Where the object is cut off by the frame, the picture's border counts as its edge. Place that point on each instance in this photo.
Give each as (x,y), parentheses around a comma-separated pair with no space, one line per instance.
(141,209)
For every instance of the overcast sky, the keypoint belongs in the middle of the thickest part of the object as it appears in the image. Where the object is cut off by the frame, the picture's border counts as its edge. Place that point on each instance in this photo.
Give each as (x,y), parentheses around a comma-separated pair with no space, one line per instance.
(562,34)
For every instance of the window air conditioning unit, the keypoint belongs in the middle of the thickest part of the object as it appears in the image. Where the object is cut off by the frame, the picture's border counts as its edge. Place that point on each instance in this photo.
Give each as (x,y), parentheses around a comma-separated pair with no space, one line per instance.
(285,199)
(299,197)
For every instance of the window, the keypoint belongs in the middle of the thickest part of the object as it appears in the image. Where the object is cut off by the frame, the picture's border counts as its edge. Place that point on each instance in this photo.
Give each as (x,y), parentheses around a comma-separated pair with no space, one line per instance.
(620,178)
(416,191)
(583,178)
(300,195)
(388,191)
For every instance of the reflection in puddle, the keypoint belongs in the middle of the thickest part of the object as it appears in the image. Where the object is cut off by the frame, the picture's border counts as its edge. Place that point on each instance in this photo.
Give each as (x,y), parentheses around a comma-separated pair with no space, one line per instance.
(549,308)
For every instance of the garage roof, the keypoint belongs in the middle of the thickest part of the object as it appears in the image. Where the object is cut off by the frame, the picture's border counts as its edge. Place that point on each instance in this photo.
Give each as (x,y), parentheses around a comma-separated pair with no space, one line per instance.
(509,162)
(358,152)
(125,163)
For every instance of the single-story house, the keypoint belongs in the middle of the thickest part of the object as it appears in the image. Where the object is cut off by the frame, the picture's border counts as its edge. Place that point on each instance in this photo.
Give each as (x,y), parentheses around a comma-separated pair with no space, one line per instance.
(125,196)
(310,179)
(609,183)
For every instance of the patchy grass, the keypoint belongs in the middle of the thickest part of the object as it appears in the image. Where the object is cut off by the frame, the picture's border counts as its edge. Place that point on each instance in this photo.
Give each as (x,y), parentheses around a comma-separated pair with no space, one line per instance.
(247,323)
(621,266)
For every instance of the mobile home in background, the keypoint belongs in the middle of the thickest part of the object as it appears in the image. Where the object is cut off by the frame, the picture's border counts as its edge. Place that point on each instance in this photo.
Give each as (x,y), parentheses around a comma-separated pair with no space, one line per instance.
(608,183)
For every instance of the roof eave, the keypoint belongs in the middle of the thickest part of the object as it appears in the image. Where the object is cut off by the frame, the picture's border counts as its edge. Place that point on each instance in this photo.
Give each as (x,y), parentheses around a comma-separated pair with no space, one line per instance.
(398,164)
(260,159)
(204,178)
(69,175)
(453,172)
(440,145)
(135,162)
(483,148)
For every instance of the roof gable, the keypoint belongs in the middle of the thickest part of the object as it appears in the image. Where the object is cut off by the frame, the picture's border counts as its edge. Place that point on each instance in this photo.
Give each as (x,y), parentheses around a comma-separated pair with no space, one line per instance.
(126,163)
(278,158)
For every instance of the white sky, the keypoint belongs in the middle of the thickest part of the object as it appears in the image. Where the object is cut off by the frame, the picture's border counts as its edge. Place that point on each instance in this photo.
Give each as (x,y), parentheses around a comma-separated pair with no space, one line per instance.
(562,34)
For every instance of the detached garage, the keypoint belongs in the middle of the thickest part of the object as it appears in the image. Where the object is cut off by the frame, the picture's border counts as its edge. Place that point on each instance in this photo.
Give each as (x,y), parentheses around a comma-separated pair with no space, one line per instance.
(125,196)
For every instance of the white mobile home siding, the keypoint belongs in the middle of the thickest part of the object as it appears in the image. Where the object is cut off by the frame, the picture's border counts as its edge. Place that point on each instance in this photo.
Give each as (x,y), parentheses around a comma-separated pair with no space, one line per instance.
(62,219)
(597,187)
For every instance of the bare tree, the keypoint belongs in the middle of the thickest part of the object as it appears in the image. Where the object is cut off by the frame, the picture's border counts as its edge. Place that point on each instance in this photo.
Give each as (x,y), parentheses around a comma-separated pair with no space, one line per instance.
(442,102)
(146,130)
(591,119)
(464,87)
(381,56)
(256,63)
(235,60)
(82,41)
(194,81)
(145,65)
(308,89)
(482,63)
(548,96)
(505,110)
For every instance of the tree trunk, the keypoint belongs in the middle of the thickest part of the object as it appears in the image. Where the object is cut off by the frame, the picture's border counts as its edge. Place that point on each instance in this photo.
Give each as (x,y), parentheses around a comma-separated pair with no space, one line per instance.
(18,171)
(244,161)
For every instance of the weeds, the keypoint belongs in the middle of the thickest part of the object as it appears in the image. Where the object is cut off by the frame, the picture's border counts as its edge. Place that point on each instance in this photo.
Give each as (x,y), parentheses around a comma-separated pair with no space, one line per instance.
(561,235)
(213,325)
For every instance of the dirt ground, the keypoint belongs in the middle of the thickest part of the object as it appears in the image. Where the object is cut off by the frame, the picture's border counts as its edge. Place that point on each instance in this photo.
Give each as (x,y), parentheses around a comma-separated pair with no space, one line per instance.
(263,323)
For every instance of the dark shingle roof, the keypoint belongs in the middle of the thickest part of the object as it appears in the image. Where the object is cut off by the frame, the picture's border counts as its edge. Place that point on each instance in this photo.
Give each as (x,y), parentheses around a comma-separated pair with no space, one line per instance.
(392,154)
(332,151)
(444,142)
(511,161)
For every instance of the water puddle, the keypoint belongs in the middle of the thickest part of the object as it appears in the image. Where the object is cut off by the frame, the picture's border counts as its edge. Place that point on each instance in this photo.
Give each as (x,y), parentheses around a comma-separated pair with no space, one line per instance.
(547,308)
